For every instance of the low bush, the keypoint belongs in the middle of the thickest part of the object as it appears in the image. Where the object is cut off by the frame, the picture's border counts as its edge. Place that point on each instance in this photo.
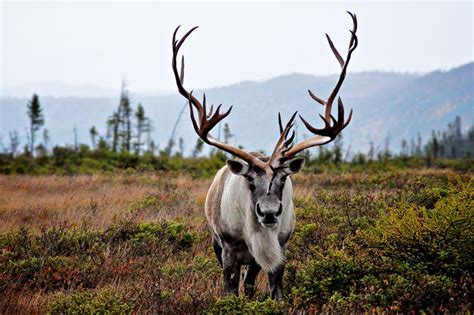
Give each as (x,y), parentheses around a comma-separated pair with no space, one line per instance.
(90,302)
(240,305)
(416,256)
(74,257)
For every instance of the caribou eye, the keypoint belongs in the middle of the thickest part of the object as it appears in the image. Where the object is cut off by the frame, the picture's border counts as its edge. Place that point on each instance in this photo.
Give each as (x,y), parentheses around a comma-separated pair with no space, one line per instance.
(280,210)
(250,181)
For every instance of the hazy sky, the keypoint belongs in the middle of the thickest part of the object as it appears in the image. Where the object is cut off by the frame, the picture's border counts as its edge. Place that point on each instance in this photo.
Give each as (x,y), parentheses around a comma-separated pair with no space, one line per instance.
(89,43)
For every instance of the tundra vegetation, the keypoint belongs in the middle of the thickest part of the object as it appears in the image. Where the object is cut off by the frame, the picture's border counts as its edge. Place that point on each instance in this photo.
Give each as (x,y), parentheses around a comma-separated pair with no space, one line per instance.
(380,236)
(96,230)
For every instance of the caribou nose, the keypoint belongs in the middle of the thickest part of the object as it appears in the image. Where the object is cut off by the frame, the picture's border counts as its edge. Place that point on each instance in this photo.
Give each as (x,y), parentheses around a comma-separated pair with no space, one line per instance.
(269,218)
(269,215)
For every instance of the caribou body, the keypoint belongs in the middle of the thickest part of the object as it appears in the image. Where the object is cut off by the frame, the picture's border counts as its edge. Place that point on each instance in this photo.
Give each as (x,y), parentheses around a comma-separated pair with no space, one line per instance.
(249,205)
(250,225)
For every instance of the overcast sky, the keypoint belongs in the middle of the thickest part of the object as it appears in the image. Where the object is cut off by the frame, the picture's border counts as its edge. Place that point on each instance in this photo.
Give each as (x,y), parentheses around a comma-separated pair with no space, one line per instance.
(87,43)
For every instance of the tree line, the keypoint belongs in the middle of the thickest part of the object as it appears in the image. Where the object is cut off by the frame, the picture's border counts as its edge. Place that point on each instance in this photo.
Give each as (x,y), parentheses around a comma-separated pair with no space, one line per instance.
(129,131)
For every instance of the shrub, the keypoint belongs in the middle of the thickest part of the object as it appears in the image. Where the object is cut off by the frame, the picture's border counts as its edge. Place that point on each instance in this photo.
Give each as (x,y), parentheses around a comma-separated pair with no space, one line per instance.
(438,240)
(240,305)
(102,302)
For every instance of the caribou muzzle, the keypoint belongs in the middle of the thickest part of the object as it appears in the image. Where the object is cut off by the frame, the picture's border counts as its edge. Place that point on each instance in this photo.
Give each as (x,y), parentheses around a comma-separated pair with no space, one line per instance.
(268,216)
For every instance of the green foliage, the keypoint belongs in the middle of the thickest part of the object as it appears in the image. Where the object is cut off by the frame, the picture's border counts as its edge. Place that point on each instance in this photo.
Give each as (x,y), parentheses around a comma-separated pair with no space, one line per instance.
(436,239)
(102,302)
(240,305)
(68,160)
(417,253)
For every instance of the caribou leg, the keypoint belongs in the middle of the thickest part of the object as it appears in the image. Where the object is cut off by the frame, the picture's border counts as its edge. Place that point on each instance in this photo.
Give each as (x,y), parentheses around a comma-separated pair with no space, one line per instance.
(217,249)
(275,281)
(231,268)
(249,278)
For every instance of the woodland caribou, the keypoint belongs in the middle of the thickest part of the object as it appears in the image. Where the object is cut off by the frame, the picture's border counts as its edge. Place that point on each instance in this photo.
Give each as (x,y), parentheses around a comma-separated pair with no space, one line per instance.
(249,205)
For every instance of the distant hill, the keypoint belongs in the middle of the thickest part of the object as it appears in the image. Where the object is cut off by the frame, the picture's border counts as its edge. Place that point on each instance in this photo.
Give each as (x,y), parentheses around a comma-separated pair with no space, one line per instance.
(384,103)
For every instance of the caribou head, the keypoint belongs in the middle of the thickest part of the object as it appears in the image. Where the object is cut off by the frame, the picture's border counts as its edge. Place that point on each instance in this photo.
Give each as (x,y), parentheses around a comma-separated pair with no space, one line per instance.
(249,204)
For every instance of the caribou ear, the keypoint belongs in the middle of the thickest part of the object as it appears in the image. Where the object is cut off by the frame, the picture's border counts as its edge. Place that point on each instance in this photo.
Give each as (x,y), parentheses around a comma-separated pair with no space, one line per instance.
(294,165)
(238,167)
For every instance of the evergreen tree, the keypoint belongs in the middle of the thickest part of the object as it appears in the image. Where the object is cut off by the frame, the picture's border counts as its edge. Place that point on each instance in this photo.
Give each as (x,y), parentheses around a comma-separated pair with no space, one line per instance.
(151,147)
(227,134)
(46,139)
(112,130)
(198,148)
(93,133)
(404,148)
(102,145)
(126,122)
(419,142)
(181,146)
(119,125)
(371,153)
(14,141)
(435,147)
(35,113)
(143,125)
(337,158)
(76,138)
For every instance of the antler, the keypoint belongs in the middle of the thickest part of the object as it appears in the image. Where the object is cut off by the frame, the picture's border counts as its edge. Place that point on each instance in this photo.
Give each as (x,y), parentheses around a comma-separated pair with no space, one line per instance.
(206,120)
(284,142)
(329,132)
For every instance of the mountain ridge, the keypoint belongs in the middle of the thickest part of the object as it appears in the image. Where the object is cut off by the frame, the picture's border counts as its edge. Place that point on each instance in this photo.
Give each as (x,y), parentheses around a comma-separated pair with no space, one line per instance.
(383,102)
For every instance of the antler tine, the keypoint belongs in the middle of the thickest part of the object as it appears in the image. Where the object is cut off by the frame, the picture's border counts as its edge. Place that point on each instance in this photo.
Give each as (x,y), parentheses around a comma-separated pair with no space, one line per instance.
(317,99)
(279,123)
(282,145)
(193,119)
(179,77)
(354,30)
(332,126)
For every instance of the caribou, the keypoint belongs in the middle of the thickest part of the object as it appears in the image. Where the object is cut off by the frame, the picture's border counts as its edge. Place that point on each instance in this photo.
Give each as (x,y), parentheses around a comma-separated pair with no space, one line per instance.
(249,205)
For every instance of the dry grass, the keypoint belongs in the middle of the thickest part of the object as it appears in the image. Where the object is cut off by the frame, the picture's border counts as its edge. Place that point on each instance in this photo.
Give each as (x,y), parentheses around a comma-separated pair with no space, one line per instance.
(45,201)
(51,200)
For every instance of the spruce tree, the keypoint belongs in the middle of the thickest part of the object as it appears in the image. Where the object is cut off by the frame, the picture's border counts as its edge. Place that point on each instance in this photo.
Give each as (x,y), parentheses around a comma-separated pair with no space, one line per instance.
(14,141)
(93,133)
(143,125)
(198,148)
(227,133)
(126,122)
(35,113)
(46,139)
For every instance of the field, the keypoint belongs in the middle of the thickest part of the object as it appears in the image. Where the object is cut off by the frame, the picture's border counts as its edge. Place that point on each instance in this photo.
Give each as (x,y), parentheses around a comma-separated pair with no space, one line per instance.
(394,240)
